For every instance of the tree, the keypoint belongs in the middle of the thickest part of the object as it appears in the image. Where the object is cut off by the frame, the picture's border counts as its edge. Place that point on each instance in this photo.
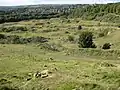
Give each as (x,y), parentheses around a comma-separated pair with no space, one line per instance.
(86,40)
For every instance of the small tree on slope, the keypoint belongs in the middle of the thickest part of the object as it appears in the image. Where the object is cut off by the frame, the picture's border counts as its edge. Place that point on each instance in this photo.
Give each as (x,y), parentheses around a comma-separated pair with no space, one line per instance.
(86,40)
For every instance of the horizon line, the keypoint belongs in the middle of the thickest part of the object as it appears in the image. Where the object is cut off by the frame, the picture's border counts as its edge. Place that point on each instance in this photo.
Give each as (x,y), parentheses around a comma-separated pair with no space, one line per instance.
(56,4)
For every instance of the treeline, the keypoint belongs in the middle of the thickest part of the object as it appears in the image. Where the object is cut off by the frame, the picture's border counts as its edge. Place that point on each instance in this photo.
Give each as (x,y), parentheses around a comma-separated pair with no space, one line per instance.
(102,12)
(14,14)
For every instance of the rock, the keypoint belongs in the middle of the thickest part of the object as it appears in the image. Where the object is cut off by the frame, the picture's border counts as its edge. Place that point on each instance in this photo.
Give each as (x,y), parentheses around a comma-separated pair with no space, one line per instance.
(56,69)
(37,74)
(30,74)
(45,73)
(44,76)
(14,76)
(45,65)
(51,58)
(28,79)
(108,33)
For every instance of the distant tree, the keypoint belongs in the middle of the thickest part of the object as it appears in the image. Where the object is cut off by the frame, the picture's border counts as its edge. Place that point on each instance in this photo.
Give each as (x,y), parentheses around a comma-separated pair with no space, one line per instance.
(86,40)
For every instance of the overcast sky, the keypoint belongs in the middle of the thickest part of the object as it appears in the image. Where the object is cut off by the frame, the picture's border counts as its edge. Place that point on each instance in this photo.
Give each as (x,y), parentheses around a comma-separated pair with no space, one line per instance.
(29,2)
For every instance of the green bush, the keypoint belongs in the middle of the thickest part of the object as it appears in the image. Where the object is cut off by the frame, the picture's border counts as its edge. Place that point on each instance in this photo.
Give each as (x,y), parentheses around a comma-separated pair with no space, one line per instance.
(8,88)
(13,28)
(86,40)
(14,39)
(68,21)
(106,46)
(66,32)
(70,38)
(101,34)
(79,27)
(2,36)
(77,21)
(47,46)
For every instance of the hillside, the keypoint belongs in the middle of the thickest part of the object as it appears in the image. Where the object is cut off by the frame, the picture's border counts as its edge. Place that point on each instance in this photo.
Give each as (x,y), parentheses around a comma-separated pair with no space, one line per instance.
(19,13)
(67,67)
(102,12)
(44,53)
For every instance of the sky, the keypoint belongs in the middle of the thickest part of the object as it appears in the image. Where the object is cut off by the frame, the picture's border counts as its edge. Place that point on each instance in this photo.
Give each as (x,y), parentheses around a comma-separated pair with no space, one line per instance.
(32,2)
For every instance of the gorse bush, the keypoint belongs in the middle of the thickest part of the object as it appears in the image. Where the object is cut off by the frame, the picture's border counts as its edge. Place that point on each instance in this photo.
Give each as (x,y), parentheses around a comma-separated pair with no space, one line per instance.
(66,32)
(79,27)
(13,28)
(106,46)
(86,40)
(8,88)
(47,46)
(14,39)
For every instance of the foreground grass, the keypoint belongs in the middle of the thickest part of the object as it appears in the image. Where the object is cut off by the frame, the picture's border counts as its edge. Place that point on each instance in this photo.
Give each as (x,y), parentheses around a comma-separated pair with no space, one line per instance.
(18,63)
(71,68)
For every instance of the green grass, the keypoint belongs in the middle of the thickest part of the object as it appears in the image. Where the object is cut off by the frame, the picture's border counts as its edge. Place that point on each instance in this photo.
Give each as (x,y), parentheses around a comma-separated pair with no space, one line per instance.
(68,72)
(71,68)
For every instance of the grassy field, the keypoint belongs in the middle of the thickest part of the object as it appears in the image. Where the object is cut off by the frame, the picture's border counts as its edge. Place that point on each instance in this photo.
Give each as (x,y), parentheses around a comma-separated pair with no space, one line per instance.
(66,66)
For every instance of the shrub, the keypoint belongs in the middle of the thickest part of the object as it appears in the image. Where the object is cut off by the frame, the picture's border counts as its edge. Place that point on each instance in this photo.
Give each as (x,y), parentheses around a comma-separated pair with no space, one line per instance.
(101,34)
(106,46)
(77,21)
(8,88)
(68,21)
(86,40)
(79,27)
(37,39)
(93,46)
(14,39)
(13,28)
(48,22)
(2,36)
(71,38)
(105,64)
(66,32)
(47,46)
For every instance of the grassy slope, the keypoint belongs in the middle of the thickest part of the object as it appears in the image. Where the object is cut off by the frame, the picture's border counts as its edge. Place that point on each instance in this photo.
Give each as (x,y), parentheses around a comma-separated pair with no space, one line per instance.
(68,71)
